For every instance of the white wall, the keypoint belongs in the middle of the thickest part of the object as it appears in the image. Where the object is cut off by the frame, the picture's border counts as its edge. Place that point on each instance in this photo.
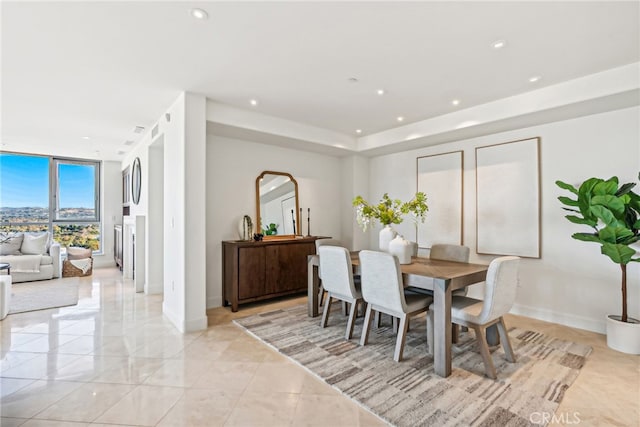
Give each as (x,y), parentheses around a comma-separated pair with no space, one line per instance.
(111,206)
(232,168)
(572,283)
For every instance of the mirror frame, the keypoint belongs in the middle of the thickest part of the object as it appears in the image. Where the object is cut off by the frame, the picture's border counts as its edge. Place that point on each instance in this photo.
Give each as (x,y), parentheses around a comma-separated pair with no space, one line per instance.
(258,218)
(136,181)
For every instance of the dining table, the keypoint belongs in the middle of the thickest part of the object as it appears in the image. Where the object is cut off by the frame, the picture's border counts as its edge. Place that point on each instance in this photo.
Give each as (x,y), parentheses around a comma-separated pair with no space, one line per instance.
(441,277)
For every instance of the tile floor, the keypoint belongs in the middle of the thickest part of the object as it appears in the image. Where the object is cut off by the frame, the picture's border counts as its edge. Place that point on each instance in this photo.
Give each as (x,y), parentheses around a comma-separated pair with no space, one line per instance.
(114,360)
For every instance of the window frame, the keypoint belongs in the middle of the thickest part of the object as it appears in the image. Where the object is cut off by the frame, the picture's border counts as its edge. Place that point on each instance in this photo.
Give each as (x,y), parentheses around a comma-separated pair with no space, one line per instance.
(54,189)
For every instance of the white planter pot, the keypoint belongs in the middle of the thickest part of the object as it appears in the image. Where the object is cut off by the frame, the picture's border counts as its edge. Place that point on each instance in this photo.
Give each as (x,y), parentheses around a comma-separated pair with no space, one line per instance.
(387,234)
(402,249)
(623,336)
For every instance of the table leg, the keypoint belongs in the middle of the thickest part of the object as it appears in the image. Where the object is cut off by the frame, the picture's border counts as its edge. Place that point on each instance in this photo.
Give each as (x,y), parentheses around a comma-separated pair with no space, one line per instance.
(312,288)
(442,327)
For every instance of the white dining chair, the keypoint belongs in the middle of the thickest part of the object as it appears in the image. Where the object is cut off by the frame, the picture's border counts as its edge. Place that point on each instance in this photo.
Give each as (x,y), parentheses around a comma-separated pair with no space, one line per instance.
(337,279)
(322,242)
(499,295)
(383,291)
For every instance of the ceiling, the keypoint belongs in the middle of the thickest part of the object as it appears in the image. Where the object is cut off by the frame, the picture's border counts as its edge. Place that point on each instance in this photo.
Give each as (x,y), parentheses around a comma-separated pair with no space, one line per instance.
(78,77)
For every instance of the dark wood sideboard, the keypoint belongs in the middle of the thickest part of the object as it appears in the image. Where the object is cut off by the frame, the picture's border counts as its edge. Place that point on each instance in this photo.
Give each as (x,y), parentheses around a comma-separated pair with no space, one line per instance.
(254,271)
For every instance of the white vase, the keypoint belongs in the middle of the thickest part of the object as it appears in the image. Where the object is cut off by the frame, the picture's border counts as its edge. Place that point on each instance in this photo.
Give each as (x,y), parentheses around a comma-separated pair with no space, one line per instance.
(402,249)
(245,228)
(386,236)
(623,336)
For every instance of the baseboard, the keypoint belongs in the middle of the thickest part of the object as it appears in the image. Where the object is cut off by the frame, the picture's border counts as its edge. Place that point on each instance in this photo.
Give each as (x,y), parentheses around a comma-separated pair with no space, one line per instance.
(182,325)
(213,302)
(565,319)
(101,261)
(173,317)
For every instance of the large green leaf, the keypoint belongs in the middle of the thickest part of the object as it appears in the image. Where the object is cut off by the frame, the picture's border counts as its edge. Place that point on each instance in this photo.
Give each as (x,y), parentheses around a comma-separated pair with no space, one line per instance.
(614,234)
(567,201)
(613,203)
(620,254)
(587,237)
(604,215)
(637,224)
(584,196)
(577,220)
(567,187)
(607,187)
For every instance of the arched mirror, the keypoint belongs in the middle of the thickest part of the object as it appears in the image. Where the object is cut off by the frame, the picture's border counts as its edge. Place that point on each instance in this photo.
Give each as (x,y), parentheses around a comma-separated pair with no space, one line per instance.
(136,181)
(277,205)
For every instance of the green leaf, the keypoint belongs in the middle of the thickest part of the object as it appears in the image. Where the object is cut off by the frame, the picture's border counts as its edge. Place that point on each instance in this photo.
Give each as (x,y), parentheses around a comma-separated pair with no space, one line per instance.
(584,196)
(620,254)
(636,225)
(606,187)
(567,201)
(613,203)
(604,215)
(567,187)
(625,188)
(571,210)
(577,220)
(614,234)
(586,237)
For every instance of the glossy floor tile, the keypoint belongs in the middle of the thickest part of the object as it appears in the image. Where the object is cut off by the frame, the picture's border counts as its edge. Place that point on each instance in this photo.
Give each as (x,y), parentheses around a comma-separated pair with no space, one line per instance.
(115,360)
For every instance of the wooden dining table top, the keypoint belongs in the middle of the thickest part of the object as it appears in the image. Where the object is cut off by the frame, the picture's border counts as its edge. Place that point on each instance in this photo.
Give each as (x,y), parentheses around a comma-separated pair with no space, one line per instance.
(437,269)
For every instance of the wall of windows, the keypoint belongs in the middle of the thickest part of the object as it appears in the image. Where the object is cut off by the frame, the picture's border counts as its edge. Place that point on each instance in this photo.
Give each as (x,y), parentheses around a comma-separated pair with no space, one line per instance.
(60,195)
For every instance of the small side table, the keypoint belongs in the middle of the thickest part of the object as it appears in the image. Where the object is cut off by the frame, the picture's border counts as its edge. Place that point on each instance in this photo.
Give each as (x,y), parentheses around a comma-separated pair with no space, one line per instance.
(5,266)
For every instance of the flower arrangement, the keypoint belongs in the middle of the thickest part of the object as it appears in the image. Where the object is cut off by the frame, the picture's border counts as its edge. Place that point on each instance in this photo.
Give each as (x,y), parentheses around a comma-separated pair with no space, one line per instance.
(389,211)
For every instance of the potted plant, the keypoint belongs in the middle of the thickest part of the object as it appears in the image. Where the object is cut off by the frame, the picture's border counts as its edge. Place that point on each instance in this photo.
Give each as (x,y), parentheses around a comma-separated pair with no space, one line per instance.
(613,212)
(389,211)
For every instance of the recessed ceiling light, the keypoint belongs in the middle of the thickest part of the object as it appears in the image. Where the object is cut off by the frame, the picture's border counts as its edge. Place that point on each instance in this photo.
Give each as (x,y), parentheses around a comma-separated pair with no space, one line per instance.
(358,130)
(534,79)
(499,44)
(199,13)
(253,102)
(456,102)
(138,129)
(400,118)
(380,92)
(85,137)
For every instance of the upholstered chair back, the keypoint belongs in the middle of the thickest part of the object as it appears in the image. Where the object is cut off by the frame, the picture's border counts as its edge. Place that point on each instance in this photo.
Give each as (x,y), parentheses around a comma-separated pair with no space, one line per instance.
(382,280)
(500,288)
(335,264)
(445,252)
(322,242)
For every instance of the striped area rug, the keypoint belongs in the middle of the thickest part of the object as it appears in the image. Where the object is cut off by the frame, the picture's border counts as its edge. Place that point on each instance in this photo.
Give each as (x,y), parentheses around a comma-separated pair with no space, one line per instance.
(409,393)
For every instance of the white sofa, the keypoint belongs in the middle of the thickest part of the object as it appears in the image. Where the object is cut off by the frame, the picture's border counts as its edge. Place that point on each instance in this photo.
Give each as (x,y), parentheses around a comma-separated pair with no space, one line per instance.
(32,256)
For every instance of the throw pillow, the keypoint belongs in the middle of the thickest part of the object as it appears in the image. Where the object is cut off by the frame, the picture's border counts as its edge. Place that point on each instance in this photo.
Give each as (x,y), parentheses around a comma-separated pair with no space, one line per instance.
(78,253)
(34,244)
(12,245)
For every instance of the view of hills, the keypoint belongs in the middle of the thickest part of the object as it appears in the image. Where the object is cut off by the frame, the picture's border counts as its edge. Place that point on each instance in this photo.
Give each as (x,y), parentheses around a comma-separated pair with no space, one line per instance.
(35,214)
(86,236)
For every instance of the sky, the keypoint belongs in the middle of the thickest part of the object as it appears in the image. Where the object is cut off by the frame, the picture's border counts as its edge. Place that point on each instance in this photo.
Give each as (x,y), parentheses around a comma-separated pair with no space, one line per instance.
(24,182)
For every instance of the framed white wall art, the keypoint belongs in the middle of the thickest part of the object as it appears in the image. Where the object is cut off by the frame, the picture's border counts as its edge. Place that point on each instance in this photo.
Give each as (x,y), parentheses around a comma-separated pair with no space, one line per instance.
(508,198)
(440,178)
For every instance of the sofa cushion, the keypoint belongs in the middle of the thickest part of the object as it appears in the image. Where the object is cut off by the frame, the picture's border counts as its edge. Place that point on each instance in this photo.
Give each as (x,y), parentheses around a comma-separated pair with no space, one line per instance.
(35,244)
(46,260)
(12,245)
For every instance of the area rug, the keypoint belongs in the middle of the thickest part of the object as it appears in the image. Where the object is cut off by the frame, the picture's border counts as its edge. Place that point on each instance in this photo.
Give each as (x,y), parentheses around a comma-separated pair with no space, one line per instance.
(409,393)
(32,296)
